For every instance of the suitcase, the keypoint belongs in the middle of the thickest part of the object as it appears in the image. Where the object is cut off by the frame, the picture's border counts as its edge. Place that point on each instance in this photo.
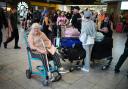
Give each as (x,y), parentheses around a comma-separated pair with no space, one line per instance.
(119,27)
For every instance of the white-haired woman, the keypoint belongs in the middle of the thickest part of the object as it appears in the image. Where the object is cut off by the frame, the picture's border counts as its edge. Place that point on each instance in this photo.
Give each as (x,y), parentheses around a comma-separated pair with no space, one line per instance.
(40,43)
(88,32)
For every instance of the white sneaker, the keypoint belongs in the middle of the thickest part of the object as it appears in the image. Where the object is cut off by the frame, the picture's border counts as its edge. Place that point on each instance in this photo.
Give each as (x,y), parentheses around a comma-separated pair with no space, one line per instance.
(85,70)
(62,70)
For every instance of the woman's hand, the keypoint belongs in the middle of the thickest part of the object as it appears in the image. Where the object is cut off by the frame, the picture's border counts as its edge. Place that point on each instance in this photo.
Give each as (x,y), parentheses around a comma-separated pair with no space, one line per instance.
(49,28)
(9,31)
(105,30)
(43,51)
(99,30)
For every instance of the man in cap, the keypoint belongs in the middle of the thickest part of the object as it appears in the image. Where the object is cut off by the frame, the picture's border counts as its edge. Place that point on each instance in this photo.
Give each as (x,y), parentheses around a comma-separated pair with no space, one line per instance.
(76,18)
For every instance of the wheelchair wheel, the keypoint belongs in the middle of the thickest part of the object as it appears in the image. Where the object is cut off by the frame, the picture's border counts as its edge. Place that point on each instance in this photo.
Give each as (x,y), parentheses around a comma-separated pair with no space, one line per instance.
(105,67)
(71,69)
(45,83)
(28,74)
(56,76)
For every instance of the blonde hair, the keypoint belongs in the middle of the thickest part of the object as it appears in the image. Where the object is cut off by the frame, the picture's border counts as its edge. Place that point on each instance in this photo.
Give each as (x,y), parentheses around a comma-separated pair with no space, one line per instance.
(35,25)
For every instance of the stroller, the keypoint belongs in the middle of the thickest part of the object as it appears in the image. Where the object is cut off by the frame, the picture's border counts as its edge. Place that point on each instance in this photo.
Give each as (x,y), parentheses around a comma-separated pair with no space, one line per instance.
(102,50)
(71,49)
(52,68)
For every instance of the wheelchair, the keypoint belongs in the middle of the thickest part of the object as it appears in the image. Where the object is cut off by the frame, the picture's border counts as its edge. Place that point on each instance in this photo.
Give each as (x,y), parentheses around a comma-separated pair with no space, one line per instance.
(42,71)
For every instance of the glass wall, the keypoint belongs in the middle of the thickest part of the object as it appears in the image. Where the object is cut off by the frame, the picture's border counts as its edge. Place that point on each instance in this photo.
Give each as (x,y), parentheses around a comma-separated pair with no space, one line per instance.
(96,8)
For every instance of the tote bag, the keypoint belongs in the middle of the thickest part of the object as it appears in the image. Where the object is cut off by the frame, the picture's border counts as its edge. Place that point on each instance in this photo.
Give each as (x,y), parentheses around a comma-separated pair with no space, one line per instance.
(90,40)
(83,37)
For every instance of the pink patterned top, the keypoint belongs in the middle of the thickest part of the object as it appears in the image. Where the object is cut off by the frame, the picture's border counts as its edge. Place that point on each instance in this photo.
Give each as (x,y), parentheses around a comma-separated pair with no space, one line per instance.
(61,20)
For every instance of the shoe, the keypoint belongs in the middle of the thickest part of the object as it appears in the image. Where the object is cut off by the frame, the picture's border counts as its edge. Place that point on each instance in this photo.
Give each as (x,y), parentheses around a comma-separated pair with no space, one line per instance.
(117,71)
(62,70)
(85,70)
(17,47)
(5,45)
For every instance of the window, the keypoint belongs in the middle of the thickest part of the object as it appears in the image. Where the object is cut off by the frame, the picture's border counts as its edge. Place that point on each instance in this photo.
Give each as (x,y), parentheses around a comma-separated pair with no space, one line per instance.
(124,5)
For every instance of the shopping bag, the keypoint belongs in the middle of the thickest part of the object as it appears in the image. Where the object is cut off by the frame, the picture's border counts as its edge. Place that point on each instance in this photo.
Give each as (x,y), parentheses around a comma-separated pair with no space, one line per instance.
(90,40)
(119,27)
(83,37)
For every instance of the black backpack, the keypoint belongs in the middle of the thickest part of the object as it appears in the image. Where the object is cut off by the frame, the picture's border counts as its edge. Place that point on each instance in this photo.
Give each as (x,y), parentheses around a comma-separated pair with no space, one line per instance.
(76,53)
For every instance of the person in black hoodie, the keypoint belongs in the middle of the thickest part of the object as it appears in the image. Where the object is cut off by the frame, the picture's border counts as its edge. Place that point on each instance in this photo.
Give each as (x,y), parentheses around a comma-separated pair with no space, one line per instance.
(3,21)
(122,58)
(14,29)
(76,18)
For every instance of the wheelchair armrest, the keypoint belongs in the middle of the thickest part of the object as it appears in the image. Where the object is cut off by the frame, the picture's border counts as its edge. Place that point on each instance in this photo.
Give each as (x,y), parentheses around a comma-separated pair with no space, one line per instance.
(28,48)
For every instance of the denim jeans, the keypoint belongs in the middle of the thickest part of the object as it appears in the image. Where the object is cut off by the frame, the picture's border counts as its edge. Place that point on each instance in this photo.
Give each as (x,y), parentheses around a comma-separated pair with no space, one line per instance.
(88,49)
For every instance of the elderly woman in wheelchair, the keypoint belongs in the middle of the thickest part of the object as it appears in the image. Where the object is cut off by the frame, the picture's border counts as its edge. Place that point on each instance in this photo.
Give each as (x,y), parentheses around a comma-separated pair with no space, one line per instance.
(42,47)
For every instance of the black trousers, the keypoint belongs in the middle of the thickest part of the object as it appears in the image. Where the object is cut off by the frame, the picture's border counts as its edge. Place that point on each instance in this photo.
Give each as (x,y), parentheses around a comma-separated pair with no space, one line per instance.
(1,36)
(54,30)
(14,35)
(59,31)
(122,58)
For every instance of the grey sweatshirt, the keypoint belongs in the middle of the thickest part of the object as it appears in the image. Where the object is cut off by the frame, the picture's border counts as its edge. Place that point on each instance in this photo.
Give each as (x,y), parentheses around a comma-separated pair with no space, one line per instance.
(88,28)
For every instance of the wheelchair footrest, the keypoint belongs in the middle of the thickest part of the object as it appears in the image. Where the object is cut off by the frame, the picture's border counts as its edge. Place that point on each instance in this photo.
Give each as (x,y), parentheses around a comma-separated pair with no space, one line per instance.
(40,68)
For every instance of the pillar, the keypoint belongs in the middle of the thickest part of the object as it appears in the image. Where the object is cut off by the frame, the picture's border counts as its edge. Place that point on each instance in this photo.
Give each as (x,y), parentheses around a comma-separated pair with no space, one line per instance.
(114,8)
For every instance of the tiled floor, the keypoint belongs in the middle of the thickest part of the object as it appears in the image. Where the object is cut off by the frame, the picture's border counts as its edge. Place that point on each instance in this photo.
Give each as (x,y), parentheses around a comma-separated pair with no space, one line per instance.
(14,64)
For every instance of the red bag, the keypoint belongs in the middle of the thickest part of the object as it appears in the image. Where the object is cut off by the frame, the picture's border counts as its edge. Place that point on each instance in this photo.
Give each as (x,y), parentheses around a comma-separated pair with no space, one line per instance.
(119,27)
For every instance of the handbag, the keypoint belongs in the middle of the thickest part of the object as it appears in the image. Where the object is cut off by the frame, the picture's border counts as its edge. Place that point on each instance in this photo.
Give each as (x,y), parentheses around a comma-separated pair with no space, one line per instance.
(90,40)
(99,37)
(83,37)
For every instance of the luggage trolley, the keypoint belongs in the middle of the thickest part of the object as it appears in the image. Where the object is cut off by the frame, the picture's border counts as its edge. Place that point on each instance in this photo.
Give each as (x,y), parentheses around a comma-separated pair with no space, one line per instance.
(102,50)
(71,48)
